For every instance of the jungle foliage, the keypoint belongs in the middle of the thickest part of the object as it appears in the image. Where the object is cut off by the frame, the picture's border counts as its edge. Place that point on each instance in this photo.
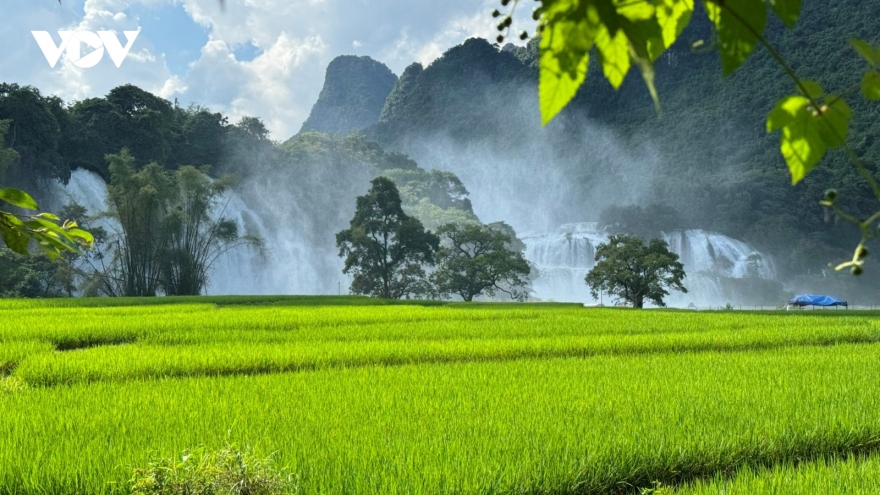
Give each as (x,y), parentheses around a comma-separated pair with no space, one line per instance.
(475,260)
(635,271)
(384,248)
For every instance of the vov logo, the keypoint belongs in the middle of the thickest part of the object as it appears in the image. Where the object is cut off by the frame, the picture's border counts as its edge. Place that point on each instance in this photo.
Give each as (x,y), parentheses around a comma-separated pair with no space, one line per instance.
(72,41)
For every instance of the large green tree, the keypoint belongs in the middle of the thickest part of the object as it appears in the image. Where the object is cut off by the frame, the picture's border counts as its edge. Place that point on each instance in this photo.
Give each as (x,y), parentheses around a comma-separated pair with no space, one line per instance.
(476,259)
(128,117)
(384,248)
(139,200)
(634,271)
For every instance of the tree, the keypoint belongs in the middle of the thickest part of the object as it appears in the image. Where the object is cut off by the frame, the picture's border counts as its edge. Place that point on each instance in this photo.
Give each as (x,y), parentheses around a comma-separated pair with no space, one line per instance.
(195,239)
(478,259)
(169,238)
(36,133)
(385,248)
(630,269)
(128,117)
(139,201)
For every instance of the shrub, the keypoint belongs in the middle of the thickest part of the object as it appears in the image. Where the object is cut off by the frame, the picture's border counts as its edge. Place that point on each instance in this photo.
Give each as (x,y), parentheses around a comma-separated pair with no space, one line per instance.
(229,471)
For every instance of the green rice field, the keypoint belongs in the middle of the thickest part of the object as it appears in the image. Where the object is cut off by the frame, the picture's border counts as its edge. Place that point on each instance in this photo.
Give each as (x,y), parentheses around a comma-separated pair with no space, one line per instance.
(357,396)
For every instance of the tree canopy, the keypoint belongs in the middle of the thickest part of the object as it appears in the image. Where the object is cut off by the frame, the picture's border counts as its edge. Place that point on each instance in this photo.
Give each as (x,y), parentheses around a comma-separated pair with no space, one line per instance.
(634,271)
(384,248)
(171,232)
(476,259)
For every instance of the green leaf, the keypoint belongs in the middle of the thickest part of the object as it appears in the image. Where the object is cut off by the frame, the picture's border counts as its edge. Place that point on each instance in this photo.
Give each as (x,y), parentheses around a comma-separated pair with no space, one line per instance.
(833,119)
(810,89)
(18,198)
(85,236)
(737,24)
(45,231)
(784,112)
(14,233)
(613,55)
(871,85)
(802,144)
(865,51)
(647,69)
(634,11)
(673,16)
(51,251)
(787,11)
(565,55)
(48,216)
(646,43)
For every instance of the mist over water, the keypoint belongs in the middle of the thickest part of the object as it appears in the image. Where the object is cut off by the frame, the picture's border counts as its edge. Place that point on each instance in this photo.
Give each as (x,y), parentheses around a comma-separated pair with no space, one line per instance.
(296,262)
(565,255)
(549,183)
(536,178)
(293,262)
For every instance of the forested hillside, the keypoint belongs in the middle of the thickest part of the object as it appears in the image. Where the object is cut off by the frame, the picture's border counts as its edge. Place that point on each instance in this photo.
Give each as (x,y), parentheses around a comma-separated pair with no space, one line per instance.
(708,156)
(355,89)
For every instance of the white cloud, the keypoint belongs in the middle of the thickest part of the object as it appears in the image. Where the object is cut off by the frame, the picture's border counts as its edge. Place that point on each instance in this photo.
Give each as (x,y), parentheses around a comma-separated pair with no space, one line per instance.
(142,67)
(266,86)
(294,40)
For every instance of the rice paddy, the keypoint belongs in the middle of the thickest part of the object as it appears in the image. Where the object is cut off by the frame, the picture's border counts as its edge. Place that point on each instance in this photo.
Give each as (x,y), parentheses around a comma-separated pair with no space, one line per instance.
(355,396)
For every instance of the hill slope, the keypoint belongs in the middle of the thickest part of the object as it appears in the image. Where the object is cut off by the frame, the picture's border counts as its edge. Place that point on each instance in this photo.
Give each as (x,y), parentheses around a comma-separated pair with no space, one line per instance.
(354,93)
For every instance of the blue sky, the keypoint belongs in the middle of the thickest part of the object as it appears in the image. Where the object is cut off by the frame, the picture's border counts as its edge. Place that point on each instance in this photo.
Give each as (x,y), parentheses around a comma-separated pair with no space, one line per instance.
(258,57)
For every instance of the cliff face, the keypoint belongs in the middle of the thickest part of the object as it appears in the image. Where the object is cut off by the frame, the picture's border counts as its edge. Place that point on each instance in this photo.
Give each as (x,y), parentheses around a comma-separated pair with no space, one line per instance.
(354,93)
(399,96)
(458,93)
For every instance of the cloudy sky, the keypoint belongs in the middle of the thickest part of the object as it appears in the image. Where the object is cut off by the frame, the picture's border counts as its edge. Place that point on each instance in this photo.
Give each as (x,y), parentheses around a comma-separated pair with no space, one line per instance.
(258,57)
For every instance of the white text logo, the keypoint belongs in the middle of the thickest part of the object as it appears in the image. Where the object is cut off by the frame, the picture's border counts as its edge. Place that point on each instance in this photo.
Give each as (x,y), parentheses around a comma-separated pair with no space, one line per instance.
(72,41)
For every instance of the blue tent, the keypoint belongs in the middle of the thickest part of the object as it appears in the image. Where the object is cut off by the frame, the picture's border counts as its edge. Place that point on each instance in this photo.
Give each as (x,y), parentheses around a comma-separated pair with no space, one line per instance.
(814,300)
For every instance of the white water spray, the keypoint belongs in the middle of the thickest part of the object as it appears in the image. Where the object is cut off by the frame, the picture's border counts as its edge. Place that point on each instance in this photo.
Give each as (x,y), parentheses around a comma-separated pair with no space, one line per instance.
(565,255)
(288,266)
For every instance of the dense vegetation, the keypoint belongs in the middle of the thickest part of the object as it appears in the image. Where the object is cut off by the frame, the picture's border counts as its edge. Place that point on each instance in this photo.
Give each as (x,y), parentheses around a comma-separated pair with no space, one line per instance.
(706,163)
(356,395)
(354,93)
(302,181)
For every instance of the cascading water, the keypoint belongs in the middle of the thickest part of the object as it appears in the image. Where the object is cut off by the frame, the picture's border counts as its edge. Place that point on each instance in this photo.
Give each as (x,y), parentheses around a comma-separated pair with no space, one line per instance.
(288,265)
(294,265)
(565,255)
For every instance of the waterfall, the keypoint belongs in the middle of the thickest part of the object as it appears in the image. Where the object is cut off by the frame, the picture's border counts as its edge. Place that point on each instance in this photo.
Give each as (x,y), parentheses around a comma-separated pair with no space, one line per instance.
(295,263)
(565,255)
(289,265)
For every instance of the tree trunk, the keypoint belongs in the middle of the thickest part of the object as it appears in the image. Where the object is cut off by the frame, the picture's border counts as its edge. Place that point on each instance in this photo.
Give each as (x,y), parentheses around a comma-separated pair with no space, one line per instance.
(639,302)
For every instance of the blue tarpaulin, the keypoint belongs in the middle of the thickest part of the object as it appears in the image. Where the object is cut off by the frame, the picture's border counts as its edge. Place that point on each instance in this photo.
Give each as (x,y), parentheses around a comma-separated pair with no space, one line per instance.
(814,300)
